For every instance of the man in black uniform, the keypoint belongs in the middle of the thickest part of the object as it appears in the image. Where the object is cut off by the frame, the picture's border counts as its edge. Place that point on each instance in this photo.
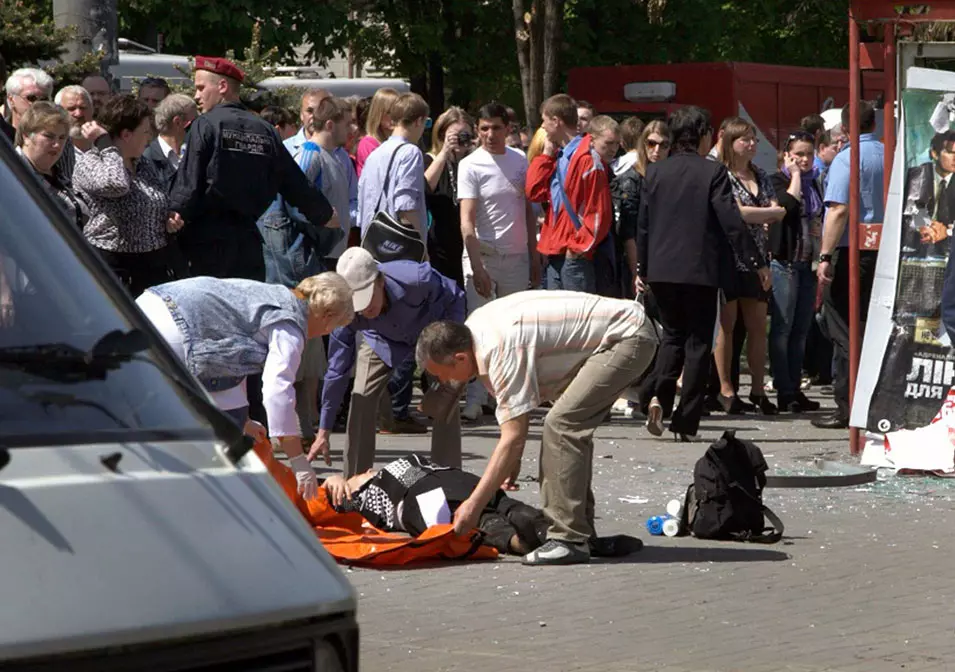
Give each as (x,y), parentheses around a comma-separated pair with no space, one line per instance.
(233,167)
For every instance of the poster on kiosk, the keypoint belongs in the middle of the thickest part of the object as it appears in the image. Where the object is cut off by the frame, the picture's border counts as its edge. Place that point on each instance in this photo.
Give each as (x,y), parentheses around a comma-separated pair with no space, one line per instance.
(907,364)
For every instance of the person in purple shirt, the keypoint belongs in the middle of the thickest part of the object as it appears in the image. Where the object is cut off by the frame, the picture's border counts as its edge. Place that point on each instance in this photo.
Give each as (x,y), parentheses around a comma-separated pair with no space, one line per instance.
(395,301)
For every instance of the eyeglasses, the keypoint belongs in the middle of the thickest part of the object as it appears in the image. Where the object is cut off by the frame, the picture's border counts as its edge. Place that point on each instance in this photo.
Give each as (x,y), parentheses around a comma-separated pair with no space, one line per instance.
(662,144)
(33,97)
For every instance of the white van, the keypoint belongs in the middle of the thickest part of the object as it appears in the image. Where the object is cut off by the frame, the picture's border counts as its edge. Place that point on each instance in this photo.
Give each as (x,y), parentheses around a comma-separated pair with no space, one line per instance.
(138,531)
(135,66)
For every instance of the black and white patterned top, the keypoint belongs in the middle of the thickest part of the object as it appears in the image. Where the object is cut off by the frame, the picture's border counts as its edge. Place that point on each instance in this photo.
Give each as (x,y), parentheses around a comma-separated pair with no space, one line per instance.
(762,199)
(379,500)
(128,212)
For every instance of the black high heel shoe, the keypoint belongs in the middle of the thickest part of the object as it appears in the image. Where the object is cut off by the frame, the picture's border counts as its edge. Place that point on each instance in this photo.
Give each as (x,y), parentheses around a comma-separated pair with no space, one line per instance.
(731,405)
(763,405)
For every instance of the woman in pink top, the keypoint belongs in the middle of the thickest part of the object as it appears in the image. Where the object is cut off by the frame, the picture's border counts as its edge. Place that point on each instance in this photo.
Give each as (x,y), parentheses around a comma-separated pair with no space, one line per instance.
(378,127)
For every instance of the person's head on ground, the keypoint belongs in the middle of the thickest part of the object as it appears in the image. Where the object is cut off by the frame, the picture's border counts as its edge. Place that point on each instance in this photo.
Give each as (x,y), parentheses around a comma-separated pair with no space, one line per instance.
(942,151)
(691,130)
(129,123)
(360,271)
(42,134)
(866,117)
(585,115)
(153,90)
(605,137)
(329,300)
(630,130)
(310,102)
(800,150)
(445,350)
(536,146)
(559,118)
(331,123)
(493,127)
(24,87)
(217,81)
(739,144)
(78,105)
(379,122)
(99,90)
(174,114)
(814,124)
(409,114)
(654,145)
(454,129)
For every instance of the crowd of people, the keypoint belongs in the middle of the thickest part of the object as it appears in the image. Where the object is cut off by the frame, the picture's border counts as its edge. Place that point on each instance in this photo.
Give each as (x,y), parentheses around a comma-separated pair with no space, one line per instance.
(558,267)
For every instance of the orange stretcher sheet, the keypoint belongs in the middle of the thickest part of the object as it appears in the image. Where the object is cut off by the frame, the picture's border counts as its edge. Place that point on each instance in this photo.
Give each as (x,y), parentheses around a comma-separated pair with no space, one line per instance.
(351,540)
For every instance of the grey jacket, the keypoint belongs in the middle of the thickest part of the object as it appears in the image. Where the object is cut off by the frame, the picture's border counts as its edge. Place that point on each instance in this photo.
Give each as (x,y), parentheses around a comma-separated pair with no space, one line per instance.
(221,322)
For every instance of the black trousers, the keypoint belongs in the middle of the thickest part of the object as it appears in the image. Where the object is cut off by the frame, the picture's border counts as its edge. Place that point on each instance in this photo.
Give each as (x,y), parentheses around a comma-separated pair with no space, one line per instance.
(239,255)
(835,299)
(501,519)
(688,317)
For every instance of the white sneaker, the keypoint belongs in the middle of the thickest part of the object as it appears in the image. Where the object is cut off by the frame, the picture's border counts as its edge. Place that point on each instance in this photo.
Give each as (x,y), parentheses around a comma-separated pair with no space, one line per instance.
(472,412)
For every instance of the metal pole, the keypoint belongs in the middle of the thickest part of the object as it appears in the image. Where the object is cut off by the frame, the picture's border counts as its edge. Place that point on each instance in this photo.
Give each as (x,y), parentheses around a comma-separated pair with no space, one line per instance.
(888,135)
(853,131)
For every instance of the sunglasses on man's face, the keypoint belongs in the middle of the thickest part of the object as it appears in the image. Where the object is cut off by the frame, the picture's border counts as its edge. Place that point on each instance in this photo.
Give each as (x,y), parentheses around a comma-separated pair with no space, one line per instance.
(33,97)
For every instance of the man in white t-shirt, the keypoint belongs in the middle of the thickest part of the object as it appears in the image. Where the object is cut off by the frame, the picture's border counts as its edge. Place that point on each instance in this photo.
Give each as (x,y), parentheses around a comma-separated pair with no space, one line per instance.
(497,224)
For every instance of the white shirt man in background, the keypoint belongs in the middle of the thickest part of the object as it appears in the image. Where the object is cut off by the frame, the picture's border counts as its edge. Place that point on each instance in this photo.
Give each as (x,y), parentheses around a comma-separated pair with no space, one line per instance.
(497,224)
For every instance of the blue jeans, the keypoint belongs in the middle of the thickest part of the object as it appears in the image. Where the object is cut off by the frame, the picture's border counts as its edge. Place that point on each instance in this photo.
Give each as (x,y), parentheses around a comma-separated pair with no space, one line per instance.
(793,306)
(401,388)
(575,274)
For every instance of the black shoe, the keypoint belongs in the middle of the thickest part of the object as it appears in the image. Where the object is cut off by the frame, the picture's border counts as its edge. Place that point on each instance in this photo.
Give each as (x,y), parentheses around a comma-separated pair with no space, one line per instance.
(835,421)
(732,405)
(763,405)
(807,404)
(615,546)
(711,404)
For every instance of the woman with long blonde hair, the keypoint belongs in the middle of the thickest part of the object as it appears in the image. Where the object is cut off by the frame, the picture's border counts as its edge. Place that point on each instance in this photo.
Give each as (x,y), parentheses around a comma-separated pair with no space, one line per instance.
(378,125)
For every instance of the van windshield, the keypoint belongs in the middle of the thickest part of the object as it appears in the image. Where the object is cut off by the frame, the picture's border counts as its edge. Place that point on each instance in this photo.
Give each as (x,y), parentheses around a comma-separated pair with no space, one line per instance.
(53,310)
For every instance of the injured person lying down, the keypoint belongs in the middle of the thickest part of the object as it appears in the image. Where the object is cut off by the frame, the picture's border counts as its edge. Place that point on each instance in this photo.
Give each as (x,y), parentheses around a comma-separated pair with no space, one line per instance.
(411,494)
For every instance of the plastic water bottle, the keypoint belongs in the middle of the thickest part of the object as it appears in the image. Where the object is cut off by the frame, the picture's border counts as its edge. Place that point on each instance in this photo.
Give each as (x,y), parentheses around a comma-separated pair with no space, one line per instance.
(655,525)
(671,527)
(675,508)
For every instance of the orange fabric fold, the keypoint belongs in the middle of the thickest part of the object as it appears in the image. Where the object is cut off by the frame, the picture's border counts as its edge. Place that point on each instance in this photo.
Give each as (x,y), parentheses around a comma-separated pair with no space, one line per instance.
(351,540)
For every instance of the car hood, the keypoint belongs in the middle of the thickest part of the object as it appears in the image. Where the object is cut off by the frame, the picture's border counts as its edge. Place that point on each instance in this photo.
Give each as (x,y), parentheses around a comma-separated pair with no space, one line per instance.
(173,542)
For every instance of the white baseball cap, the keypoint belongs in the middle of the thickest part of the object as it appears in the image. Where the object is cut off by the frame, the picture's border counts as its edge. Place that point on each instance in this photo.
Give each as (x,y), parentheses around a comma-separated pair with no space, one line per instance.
(360,271)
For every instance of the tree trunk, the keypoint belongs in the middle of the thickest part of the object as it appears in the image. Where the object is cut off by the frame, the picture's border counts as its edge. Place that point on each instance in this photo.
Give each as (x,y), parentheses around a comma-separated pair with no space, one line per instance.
(435,84)
(553,30)
(522,40)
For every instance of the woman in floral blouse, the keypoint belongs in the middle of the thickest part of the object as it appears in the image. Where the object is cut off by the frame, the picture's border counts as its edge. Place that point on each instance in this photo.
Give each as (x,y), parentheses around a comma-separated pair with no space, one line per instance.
(759,207)
(129,220)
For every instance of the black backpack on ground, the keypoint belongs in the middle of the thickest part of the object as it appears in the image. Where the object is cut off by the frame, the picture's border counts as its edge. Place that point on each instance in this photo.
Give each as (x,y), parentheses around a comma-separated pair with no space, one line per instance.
(726,498)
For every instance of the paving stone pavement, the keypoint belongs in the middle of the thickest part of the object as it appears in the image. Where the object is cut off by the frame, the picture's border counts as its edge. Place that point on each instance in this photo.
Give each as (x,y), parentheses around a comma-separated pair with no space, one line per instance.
(862,582)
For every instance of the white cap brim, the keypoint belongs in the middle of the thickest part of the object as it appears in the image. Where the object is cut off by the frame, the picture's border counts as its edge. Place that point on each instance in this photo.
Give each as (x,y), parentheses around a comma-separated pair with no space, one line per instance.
(362,297)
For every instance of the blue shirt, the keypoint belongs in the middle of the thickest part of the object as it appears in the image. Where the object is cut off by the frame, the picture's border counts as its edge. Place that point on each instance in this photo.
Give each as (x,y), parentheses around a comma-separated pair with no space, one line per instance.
(405,188)
(417,295)
(871,170)
(296,141)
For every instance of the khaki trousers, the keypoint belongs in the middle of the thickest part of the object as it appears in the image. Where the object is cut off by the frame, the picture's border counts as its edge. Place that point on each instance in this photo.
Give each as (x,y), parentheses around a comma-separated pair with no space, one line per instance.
(371,382)
(567,443)
(310,371)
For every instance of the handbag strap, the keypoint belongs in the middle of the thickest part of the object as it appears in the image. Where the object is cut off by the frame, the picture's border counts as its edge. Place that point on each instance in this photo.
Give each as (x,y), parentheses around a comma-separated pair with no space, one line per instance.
(384,188)
(564,200)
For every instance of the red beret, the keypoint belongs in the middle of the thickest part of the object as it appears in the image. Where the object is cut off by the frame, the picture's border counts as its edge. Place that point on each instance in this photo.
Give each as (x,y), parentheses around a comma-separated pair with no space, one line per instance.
(220,66)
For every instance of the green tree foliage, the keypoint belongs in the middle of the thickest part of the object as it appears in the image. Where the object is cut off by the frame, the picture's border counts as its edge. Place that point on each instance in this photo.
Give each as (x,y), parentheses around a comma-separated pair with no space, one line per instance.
(29,38)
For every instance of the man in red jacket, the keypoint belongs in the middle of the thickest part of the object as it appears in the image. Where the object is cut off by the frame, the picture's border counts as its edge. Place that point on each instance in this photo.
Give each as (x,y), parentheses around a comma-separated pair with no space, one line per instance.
(572,178)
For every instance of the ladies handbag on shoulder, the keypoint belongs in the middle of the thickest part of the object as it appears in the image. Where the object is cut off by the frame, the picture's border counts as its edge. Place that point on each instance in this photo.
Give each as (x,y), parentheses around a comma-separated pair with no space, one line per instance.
(388,239)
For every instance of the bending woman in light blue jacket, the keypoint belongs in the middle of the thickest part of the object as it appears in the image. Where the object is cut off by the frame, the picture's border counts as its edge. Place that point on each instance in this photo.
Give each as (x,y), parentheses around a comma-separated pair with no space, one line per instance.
(226,330)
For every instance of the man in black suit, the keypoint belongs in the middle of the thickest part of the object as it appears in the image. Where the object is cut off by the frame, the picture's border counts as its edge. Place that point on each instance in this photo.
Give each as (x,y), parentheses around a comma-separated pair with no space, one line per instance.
(930,194)
(688,228)
(173,116)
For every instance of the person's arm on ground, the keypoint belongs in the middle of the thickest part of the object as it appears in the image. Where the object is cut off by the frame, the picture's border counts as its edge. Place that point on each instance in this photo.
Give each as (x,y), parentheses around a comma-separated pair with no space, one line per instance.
(508,449)
(341,359)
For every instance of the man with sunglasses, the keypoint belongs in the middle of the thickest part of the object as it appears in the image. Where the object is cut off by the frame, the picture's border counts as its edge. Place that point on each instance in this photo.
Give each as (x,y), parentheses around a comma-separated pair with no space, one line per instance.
(24,87)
